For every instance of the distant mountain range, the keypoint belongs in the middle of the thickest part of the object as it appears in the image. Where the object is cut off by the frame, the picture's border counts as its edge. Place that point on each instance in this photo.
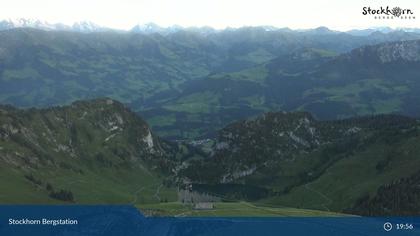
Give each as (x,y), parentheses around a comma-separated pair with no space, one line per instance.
(83,26)
(150,28)
(188,84)
(378,79)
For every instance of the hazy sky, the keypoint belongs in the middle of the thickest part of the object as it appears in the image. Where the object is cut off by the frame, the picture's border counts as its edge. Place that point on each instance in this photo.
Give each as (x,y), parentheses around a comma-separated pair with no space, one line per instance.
(123,14)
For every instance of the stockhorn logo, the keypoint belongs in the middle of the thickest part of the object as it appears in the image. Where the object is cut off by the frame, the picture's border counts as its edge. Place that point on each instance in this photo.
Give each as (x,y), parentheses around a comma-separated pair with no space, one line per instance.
(389,13)
(396,11)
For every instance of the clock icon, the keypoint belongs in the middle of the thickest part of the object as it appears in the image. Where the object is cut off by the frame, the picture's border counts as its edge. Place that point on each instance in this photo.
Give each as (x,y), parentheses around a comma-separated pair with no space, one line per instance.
(387,226)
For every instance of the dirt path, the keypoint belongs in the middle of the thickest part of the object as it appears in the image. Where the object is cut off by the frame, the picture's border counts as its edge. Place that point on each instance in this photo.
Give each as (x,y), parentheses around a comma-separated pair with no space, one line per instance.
(273,211)
(136,195)
(183,214)
(158,192)
(327,199)
(138,191)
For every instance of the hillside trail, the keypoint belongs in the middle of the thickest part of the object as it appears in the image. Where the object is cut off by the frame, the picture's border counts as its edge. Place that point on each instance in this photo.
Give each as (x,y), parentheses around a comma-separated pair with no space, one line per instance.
(328,200)
(156,195)
(138,191)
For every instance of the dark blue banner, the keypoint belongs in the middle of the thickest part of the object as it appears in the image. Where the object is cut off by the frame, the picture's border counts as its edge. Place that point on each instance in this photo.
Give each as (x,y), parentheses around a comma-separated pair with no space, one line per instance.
(127,220)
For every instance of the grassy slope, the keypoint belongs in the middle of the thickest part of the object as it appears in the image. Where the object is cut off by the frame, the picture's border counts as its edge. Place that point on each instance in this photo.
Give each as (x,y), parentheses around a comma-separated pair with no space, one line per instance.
(230,209)
(350,178)
(91,187)
(108,179)
(15,189)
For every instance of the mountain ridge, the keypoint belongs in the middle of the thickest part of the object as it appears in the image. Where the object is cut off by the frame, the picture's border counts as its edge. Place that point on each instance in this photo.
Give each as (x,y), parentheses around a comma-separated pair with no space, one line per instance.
(373,79)
(88,143)
(274,158)
(57,154)
(150,28)
(203,82)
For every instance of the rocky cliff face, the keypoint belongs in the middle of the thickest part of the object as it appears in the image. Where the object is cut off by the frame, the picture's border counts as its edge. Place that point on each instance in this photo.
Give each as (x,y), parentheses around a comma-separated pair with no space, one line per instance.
(407,51)
(246,147)
(101,130)
(94,151)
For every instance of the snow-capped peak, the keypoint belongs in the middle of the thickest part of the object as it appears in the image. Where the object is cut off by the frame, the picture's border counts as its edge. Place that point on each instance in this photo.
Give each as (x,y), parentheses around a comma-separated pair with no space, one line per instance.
(26,23)
(147,28)
(82,26)
(87,26)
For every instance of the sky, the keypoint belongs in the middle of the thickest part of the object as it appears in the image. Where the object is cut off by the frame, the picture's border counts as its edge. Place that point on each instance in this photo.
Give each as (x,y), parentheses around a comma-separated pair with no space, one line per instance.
(295,14)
